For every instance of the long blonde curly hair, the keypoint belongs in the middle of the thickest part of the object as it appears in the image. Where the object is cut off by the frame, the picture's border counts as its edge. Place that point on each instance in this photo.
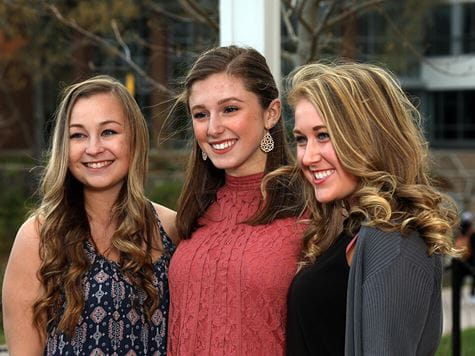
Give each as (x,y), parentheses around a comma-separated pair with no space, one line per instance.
(376,133)
(64,225)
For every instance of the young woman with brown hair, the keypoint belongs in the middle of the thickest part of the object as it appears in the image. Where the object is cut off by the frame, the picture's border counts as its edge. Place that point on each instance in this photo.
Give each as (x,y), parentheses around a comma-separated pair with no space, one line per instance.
(230,275)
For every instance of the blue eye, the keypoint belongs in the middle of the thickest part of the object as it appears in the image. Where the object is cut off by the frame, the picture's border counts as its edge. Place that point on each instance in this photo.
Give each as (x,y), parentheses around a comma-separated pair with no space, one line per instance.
(323,136)
(76,135)
(300,140)
(199,115)
(108,132)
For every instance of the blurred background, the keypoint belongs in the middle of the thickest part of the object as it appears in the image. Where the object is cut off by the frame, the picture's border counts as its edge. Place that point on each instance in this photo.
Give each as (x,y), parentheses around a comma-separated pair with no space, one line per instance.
(149,44)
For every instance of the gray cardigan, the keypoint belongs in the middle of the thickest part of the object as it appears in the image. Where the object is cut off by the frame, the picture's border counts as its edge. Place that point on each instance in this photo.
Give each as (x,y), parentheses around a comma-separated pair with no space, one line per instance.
(394,296)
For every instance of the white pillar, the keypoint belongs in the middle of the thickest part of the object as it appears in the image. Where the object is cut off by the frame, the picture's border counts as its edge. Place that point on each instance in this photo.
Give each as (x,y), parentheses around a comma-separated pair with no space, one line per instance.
(254,23)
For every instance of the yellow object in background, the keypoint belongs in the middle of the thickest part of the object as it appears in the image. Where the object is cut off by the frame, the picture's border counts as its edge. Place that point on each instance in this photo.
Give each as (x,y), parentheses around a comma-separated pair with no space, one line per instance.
(130,83)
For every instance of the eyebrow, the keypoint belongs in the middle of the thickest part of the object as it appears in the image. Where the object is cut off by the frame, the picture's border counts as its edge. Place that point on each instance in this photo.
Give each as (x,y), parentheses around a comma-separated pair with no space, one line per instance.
(315,128)
(230,99)
(220,102)
(103,123)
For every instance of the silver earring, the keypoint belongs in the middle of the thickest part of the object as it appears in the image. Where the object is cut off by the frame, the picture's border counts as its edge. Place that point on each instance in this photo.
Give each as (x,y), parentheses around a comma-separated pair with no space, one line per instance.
(267,143)
(204,155)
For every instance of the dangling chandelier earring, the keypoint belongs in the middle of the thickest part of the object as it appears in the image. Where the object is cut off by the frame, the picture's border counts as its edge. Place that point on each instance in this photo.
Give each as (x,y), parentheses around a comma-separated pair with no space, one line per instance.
(204,155)
(267,143)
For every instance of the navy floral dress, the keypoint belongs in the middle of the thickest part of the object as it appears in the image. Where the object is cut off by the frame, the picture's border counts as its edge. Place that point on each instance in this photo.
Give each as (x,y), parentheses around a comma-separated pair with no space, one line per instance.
(113,321)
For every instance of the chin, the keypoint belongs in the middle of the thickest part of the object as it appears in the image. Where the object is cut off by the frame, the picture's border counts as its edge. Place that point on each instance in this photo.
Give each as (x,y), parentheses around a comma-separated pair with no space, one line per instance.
(323,198)
(224,165)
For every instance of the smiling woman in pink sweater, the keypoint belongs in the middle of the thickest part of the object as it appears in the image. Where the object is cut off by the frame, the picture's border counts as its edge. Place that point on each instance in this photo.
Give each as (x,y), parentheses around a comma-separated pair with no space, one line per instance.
(230,275)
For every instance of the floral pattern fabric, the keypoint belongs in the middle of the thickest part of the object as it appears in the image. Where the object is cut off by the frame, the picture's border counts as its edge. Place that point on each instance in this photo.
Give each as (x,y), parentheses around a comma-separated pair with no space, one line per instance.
(113,321)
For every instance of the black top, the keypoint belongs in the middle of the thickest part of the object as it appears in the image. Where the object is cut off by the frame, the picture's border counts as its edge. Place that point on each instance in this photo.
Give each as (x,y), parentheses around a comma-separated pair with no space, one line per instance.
(317,304)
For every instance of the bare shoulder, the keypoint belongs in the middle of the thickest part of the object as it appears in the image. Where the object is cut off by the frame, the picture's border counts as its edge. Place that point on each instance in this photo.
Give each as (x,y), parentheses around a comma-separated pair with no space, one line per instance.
(24,259)
(167,217)
(21,287)
(27,239)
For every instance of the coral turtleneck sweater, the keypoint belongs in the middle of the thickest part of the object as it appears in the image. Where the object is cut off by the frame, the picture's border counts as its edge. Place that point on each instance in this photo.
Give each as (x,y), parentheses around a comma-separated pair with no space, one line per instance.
(229,282)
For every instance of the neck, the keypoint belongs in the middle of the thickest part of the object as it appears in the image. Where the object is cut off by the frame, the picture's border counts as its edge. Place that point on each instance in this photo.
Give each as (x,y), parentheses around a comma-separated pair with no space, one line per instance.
(99,205)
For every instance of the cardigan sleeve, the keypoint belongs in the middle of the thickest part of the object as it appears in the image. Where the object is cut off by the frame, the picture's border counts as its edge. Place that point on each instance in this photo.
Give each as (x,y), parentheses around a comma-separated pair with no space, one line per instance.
(395,307)
(394,296)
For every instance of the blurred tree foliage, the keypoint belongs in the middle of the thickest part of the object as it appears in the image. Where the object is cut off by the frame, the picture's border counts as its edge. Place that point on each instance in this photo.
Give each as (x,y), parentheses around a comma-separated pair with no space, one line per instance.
(44,43)
(47,44)
(385,31)
(45,35)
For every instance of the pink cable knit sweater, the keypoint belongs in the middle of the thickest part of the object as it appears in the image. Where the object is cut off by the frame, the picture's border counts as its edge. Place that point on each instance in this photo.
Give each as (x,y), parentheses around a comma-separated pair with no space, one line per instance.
(229,282)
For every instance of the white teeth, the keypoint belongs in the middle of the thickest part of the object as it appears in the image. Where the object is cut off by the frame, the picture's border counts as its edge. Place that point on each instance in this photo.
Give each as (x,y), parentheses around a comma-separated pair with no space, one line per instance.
(222,146)
(98,164)
(323,174)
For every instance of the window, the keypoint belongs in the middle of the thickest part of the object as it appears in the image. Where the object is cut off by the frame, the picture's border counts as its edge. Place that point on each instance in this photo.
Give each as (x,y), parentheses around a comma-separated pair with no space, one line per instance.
(438,32)
(450,30)
(453,118)
(468,39)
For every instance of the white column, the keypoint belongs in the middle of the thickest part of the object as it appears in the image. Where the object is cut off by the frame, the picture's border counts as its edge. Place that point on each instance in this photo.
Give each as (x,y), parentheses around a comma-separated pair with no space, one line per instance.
(254,23)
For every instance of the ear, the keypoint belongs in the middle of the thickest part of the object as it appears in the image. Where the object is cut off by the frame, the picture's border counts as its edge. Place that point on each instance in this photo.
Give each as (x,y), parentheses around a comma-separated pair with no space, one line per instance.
(272,114)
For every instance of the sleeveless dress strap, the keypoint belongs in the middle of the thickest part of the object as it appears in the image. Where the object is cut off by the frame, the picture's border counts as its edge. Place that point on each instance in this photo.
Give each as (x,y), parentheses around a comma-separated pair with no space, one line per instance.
(167,242)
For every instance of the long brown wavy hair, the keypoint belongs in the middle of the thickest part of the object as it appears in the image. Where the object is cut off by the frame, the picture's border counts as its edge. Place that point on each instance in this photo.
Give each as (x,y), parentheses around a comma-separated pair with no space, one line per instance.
(376,133)
(202,178)
(64,225)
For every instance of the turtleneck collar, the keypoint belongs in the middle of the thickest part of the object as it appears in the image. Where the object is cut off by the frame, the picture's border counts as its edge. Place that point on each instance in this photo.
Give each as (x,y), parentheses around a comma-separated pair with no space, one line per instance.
(250,182)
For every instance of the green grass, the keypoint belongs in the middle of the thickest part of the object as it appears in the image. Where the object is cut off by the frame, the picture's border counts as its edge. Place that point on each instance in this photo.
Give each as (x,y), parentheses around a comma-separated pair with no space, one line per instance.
(467,346)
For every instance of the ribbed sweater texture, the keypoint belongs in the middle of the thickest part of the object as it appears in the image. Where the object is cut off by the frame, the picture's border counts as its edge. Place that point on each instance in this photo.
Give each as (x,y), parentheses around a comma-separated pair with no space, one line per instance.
(394,296)
(229,282)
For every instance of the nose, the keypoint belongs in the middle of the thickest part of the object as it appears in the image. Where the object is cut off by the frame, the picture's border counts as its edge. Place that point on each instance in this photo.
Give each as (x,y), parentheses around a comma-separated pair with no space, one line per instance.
(94,146)
(215,127)
(312,154)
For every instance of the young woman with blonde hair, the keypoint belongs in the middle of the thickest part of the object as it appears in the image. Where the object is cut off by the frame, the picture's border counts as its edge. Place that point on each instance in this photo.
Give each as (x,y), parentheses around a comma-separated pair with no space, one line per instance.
(87,273)
(371,266)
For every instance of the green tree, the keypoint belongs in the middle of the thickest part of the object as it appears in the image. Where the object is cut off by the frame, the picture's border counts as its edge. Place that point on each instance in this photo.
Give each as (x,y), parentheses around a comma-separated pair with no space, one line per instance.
(63,41)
